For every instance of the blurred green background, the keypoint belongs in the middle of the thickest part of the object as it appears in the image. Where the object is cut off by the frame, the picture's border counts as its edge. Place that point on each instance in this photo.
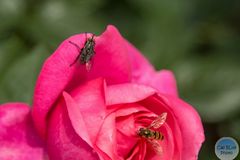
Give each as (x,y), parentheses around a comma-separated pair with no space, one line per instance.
(198,39)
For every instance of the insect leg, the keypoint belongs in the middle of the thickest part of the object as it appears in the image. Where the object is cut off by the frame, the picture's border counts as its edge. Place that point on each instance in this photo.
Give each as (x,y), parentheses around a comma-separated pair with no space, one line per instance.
(156,146)
(79,50)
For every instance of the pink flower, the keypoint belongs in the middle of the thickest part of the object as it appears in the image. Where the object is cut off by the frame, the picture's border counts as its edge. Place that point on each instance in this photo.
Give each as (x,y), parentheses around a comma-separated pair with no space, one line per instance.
(97,114)
(101,121)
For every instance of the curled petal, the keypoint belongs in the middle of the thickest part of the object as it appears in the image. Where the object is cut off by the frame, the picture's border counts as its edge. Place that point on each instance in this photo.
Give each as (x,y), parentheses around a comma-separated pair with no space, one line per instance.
(87,106)
(192,133)
(141,68)
(87,112)
(86,121)
(63,143)
(18,139)
(144,73)
(106,140)
(54,77)
(127,93)
(77,119)
(126,135)
(164,81)
(111,61)
(179,115)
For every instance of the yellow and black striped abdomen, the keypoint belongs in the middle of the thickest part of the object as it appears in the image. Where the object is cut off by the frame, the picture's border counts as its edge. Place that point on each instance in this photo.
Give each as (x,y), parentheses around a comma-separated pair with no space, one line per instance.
(158,135)
(150,134)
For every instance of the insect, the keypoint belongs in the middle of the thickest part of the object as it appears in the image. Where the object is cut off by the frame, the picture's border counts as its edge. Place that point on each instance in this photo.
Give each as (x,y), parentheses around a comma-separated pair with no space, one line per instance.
(152,136)
(86,53)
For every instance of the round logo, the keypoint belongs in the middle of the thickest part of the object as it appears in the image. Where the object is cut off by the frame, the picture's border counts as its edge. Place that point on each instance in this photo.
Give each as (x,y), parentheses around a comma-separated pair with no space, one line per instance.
(226,148)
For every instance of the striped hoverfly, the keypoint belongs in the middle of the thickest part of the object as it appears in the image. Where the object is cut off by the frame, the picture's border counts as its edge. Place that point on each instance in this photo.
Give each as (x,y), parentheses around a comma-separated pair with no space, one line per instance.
(152,135)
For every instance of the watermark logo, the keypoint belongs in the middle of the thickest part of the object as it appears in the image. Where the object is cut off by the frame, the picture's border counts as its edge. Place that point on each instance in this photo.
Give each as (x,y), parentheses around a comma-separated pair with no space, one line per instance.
(226,148)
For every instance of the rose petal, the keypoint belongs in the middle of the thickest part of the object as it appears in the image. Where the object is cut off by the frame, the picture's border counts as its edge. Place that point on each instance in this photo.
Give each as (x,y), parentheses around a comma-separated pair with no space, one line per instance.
(111,60)
(63,142)
(164,81)
(90,100)
(77,119)
(18,139)
(139,151)
(87,112)
(105,134)
(144,73)
(183,117)
(125,130)
(192,133)
(127,93)
(106,140)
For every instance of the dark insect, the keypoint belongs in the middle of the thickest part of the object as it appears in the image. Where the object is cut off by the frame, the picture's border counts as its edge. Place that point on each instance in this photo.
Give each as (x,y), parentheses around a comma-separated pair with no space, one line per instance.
(152,136)
(86,53)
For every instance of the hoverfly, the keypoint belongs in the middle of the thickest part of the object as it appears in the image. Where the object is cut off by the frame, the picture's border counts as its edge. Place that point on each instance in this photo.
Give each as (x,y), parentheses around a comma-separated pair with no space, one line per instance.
(152,136)
(86,53)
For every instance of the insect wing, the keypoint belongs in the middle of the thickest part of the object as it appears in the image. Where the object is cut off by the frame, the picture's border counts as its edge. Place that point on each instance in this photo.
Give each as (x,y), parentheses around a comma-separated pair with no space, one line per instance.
(156,146)
(88,66)
(159,121)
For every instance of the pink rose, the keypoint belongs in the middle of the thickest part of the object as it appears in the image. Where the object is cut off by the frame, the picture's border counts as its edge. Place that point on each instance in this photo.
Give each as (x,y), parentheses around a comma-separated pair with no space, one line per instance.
(97,114)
